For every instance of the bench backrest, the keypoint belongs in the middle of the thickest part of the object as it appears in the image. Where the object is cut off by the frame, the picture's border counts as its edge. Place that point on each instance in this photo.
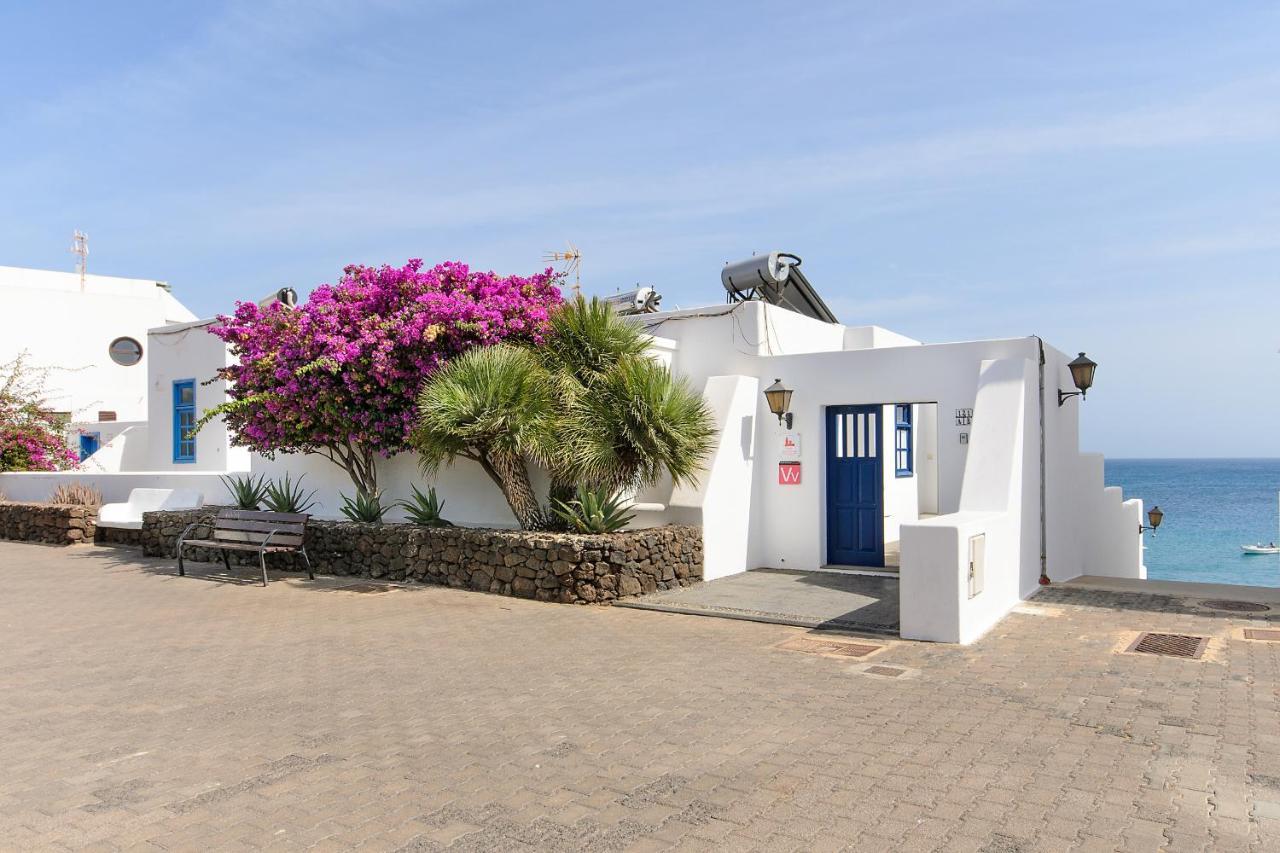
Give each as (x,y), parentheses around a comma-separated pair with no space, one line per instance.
(150,500)
(252,526)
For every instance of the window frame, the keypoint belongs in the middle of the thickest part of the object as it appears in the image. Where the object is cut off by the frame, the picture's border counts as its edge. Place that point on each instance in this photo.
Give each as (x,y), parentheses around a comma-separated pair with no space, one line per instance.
(904,457)
(179,409)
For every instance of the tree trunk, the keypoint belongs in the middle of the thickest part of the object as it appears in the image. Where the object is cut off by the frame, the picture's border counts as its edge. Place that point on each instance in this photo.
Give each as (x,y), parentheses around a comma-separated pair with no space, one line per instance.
(513,477)
(361,466)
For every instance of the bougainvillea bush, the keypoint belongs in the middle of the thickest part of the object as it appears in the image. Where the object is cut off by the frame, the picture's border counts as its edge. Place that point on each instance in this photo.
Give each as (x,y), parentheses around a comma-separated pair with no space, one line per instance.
(340,374)
(31,438)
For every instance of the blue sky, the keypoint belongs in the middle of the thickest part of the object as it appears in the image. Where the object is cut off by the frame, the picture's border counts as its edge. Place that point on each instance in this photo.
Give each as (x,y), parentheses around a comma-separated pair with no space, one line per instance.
(1105,175)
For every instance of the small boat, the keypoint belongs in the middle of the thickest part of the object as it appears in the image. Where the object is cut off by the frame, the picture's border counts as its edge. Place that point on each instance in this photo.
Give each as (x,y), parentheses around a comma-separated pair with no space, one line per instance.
(1260,549)
(1270,548)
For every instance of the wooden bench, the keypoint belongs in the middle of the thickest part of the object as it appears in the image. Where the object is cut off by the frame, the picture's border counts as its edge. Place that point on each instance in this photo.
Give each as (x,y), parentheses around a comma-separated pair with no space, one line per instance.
(250,530)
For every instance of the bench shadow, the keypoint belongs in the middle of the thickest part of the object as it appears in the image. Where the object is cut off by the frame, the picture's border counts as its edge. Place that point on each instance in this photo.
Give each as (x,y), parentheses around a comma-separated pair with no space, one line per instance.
(115,558)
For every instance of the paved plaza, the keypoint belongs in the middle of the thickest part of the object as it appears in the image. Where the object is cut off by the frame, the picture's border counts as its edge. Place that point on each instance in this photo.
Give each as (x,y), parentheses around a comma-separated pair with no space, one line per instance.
(144,711)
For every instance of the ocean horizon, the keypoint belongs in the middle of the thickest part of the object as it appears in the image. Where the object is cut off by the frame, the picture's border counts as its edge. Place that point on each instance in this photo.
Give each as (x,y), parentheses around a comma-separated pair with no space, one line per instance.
(1212,507)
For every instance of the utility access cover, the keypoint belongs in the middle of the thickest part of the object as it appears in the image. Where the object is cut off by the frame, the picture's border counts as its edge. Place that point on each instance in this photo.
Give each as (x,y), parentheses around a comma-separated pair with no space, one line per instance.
(1169,645)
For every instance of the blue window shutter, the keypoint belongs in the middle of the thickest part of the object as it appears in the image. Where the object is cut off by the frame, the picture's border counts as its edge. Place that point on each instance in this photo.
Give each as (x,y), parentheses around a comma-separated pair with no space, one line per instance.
(903,441)
(184,420)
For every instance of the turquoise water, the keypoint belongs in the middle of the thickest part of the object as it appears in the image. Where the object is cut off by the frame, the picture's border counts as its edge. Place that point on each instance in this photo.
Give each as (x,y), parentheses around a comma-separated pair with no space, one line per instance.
(1212,507)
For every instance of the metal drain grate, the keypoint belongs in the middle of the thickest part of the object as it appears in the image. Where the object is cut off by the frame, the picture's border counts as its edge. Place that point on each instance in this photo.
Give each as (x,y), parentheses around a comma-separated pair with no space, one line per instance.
(828,647)
(888,671)
(1262,634)
(1234,606)
(1169,645)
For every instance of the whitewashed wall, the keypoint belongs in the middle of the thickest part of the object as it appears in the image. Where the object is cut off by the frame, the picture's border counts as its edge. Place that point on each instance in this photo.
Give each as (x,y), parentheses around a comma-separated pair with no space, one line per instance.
(47,313)
(115,487)
(901,494)
(123,447)
(179,352)
(935,603)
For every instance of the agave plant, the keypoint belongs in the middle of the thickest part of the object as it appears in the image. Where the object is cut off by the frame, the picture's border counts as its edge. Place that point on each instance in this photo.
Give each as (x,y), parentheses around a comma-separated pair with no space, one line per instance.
(424,509)
(363,507)
(287,496)
(248,491)
(593,511)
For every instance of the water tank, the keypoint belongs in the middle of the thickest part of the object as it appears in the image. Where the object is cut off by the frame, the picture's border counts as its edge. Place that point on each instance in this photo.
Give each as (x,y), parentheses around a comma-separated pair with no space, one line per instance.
(642,300)
(286,296)
(767,272)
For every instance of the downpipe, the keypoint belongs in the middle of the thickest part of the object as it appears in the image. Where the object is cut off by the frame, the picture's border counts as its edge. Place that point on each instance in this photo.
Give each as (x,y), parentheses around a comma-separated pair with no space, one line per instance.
(1044,548)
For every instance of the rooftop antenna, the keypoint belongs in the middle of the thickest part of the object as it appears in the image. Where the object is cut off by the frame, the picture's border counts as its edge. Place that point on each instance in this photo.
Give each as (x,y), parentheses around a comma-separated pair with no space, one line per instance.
(80,248)
(573,264)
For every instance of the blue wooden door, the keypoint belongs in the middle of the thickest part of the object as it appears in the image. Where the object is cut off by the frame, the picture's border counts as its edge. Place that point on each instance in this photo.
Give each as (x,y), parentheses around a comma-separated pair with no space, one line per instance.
(855,486)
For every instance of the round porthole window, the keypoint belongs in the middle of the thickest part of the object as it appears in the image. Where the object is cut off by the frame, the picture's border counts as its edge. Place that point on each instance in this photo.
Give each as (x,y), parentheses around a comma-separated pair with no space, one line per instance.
(125,351)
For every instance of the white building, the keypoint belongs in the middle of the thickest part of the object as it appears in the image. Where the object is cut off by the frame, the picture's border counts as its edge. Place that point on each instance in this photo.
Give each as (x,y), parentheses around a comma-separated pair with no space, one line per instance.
(955,463)
(93,336)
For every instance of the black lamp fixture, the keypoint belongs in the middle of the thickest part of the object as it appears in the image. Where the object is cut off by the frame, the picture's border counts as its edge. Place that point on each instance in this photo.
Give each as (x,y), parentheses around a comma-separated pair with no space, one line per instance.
(1155,516)
(1082,368)
(779,399)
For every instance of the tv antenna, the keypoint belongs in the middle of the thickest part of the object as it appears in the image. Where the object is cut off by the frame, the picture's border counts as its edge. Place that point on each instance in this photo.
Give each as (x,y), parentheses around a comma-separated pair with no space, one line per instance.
(80,248)
(572,264)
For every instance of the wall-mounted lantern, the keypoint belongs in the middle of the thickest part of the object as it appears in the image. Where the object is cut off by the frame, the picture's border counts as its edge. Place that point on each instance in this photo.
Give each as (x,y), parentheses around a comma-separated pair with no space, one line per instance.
(1155,516)
(779,399)
(1082,368)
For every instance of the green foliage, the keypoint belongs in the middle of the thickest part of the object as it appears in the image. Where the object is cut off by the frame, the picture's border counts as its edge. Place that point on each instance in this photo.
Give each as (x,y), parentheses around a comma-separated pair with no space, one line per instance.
(635,423)
(586,403)
(287,496)
(489,399)
(247,491)
(593,511)
(495,406)
(585,340)
(424,509)
(76,494)
(363,507)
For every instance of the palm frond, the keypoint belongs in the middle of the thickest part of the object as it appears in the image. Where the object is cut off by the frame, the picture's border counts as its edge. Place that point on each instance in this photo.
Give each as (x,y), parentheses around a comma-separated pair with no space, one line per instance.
(586,339)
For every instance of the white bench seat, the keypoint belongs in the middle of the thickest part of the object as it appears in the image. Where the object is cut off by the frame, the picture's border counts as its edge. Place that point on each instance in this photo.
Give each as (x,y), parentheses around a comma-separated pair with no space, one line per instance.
(128,515)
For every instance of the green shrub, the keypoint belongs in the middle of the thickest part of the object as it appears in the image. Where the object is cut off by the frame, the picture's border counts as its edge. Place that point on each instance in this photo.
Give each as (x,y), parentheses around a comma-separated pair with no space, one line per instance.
(248,491)
(424,509)
(288,496)
(363,507)
(593,511)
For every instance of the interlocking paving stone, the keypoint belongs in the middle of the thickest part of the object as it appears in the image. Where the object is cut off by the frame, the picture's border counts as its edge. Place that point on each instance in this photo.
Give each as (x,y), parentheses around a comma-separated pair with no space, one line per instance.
(831,600)
(146,711)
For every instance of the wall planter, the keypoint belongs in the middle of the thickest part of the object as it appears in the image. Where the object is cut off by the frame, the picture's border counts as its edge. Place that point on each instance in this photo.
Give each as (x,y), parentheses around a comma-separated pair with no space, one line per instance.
(567,568)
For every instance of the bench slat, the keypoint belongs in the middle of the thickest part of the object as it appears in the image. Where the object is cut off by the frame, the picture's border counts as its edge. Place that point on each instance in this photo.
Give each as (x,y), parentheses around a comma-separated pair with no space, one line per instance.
(236,546)
(292,539)
(262,515)
(260,526)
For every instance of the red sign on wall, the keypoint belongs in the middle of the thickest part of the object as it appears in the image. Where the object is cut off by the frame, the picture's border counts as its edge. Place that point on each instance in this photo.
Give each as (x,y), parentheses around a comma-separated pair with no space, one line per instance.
(789,473)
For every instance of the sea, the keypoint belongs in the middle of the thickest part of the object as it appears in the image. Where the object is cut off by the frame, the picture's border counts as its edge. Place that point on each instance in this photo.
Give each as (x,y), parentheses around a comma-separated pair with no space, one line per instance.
(1211,507)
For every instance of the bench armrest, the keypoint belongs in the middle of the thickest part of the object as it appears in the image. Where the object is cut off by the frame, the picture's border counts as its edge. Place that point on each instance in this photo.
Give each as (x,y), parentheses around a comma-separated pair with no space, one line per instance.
(266,540)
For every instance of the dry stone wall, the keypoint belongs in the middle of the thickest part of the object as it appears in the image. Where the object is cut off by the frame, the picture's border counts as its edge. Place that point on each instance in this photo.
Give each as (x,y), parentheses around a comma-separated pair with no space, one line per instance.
(560,567)
(54,524)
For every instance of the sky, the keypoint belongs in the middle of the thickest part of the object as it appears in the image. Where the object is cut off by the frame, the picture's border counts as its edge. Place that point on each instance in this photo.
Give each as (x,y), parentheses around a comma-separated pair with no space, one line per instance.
(1105,175)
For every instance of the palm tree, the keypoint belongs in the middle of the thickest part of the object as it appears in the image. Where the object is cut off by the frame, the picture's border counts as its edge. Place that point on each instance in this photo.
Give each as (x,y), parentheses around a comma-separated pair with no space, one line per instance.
(495,406)
(585,339)
(625,417)
(634,423)
(587,404)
